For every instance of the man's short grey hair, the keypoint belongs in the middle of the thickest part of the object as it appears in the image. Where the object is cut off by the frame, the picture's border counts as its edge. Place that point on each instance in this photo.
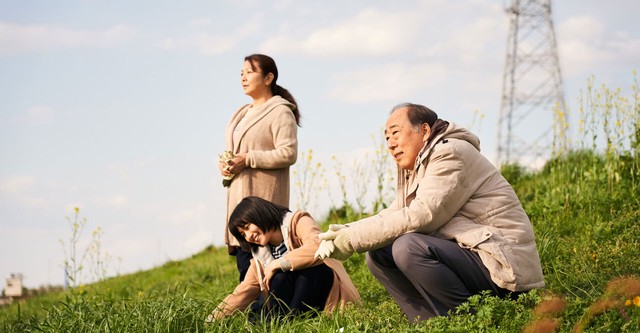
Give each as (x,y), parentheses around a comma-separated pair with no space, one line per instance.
(418,114)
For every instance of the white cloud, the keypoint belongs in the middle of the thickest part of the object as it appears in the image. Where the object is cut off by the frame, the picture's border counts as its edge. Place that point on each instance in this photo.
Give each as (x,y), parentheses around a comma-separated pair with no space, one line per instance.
(581,28)
(209,43)
(17,184)
(205,43)
(394,82)
(200,22)
(628,49)
(119,169)
(35,115)
(585,43)
(95,201)
(372,32)
(118,200)
(470,44)
(18,191)
(135,250)
(198,240)
(189,216)
(579,43)
(127,168)
(39,114)
(431,28)
(19,39)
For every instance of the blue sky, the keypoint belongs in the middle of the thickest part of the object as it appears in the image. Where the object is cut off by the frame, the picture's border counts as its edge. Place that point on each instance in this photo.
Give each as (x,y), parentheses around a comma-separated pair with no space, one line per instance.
(118,107)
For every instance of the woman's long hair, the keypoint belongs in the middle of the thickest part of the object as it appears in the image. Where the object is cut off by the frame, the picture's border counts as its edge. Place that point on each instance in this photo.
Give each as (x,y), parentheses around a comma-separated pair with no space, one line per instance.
(266,215)
(267,65)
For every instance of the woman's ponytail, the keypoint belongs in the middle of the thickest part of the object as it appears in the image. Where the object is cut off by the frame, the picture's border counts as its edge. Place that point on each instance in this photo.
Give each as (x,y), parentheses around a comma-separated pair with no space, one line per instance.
(284,93)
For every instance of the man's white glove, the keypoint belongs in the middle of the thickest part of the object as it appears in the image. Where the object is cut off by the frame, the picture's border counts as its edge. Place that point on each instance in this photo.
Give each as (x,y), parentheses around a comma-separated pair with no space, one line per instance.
(332,233)
(326,245)
(335,243)
(325,249)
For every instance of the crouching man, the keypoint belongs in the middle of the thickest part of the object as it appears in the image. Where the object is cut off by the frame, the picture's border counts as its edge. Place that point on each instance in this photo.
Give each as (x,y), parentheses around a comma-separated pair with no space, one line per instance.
(455,229)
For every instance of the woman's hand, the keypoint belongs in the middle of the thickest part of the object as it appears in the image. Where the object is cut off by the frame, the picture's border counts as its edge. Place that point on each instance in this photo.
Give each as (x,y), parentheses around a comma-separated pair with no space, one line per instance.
(238,163)
(232,166)
(270,271)
(224,169)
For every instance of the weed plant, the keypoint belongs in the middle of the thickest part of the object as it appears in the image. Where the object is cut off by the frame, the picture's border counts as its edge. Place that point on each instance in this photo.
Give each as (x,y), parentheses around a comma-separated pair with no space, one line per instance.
(90,261)
(308,177)
(584,206)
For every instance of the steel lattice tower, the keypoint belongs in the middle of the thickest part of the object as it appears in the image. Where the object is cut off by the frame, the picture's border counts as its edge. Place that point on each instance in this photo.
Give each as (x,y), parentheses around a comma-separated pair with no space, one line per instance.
(533,120)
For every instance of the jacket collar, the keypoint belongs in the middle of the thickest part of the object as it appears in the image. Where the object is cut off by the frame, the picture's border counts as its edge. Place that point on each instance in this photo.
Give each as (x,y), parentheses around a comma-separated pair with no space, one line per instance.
(263,254)
(452,131)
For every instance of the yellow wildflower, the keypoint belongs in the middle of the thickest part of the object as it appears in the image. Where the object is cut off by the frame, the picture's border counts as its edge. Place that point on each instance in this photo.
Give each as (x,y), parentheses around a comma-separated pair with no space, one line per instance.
(636,301)
(627,302)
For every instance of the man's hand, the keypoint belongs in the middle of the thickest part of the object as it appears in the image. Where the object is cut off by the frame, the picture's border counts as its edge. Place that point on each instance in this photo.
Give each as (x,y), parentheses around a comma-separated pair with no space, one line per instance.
(326,245)
(325,249)
(332,233)
(335,243)
(343,249)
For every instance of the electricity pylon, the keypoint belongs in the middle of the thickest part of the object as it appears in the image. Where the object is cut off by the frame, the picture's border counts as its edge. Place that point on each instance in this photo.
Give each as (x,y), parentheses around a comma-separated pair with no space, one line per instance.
(533,119)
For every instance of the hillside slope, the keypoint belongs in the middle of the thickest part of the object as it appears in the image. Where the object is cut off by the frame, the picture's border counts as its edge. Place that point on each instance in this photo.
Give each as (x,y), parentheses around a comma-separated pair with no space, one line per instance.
(587,230)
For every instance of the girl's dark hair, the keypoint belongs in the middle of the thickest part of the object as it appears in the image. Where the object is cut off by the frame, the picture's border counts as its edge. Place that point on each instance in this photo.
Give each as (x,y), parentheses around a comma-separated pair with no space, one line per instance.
(267,65)
(266,215)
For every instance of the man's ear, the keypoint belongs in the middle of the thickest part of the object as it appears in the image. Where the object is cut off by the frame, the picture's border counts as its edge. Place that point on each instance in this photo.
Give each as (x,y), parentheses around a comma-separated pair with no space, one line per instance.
(426,132)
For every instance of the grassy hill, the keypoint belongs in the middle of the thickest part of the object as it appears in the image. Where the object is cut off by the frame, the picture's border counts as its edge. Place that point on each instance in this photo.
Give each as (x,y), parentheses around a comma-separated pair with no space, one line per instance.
(585,209)
(588,238)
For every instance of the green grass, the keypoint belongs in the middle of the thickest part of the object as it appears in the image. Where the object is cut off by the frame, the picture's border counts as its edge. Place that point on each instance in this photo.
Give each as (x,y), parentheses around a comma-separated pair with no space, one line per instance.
(584,207)
(587,230)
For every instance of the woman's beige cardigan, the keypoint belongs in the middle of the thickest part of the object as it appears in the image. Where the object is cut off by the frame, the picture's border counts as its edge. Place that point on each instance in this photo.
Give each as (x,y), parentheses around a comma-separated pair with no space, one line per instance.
(269,137)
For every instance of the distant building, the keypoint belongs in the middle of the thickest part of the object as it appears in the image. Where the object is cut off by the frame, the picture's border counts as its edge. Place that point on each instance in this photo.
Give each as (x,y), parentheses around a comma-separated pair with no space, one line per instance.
(13,287)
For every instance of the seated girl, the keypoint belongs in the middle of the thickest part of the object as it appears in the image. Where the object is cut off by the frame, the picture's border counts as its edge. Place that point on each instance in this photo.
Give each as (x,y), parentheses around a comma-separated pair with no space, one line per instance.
(283,269)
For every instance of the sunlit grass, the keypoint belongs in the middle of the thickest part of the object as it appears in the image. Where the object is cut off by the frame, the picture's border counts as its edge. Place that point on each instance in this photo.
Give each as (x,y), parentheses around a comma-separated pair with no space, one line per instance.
(584,205)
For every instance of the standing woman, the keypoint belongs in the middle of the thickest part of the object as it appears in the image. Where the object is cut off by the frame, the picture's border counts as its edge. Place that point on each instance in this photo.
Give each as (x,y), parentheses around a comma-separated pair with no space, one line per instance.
(284,269)
(263,139)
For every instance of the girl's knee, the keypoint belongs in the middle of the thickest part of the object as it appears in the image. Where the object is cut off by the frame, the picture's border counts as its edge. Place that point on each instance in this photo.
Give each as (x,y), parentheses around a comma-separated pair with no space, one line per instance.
(278,279)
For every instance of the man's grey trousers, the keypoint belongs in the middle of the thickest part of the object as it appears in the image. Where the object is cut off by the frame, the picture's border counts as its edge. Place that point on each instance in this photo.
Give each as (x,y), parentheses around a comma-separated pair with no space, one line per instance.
(428,276)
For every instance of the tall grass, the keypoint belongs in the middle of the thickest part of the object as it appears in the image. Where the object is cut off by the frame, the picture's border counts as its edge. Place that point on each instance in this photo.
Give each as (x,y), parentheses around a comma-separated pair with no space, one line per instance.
(584,205)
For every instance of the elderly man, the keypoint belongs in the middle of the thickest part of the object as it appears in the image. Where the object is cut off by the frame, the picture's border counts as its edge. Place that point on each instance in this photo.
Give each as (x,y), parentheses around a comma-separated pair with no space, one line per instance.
(456,227)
